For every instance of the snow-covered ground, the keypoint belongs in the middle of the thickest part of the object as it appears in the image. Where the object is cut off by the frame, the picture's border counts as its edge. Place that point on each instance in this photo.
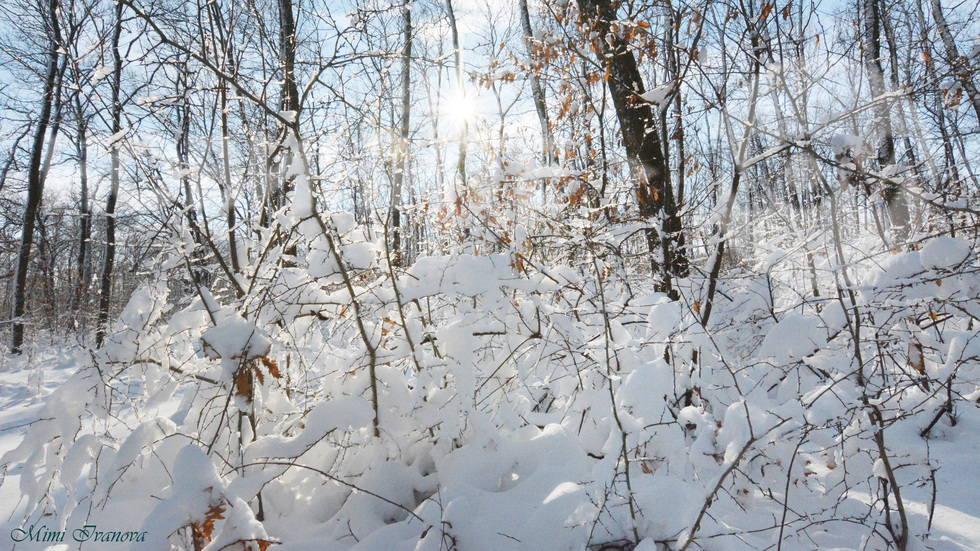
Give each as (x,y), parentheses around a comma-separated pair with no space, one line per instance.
(503,415)
(25,382)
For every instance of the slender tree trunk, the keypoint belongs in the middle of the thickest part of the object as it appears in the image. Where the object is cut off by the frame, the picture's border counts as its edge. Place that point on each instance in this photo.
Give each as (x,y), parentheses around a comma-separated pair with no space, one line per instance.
(35,181)
(183,147)
(44,249)
(895,202)
(641,137)
(84,213)
(289,94)
(289,103)
(738,166)
(674,68)
(958,63)
(401,150)
(287,45)
(537,90)
(55,121)
(460,89)
(48,306)
(440,173)
(105,288)
(227,194)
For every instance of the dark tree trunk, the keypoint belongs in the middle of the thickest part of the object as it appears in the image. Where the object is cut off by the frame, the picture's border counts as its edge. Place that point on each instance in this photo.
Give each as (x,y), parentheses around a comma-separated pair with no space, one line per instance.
(227,190)
(641,138)
(47,267)
(289,93)
(105,288)
(84,213)
(35,182)
(287,45)
(183,146)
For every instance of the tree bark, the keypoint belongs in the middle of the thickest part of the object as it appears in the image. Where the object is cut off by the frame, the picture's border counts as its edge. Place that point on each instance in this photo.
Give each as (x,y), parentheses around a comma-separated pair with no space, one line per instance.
(289,94)
(183,153)
(958,63)
(895,202)
(35,182)
(287,45)
(537,90)
(105,288)
(84,213)
(228,196)
(641,138)
(401,150)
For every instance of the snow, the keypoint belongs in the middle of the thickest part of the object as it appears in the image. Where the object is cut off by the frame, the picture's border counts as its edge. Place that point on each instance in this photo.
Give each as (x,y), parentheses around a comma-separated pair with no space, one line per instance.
(196,488)
(116,138)
(101,73)
(944,253)
(345,414)
(550,172)
(658,95)
(234,338)
(844,143)
(523,377)
(504,400)
(793,338)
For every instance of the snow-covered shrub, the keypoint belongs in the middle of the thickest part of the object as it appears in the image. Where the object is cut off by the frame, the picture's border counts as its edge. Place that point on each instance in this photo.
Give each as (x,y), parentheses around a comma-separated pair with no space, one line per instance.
(499,400)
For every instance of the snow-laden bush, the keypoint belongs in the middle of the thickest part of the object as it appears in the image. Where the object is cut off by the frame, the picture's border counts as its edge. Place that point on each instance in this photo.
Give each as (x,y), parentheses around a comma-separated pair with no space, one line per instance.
(498,401)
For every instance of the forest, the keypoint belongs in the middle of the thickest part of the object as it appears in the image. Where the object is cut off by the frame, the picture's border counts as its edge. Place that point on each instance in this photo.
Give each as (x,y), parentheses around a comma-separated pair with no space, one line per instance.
(485,275)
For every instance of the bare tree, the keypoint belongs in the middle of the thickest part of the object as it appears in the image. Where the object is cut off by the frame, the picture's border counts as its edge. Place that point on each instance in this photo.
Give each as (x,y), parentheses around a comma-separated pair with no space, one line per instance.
(958,64)
(460,89)
(401,161)
(641,139)
(116,108)
(35,182)
(537,88)
(898,210)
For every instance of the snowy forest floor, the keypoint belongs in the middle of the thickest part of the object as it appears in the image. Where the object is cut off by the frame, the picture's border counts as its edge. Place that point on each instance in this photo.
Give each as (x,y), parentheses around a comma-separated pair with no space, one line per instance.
(463,404)
(26,381)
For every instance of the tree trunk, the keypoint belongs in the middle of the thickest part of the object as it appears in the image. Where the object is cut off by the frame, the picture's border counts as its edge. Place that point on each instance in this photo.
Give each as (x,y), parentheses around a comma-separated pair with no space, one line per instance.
(289,94)
(287,45)
(460,89)
(537,90)
(957,63)
(105,288)
(46,258)
(641,137)
(183,146)
(84,214)
(225,186)
(401,150)
(35,182)
(228,196)
(895,202)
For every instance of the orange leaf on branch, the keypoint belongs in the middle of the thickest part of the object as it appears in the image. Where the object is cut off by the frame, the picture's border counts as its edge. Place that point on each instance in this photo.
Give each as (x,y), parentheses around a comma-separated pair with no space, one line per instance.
(202,530)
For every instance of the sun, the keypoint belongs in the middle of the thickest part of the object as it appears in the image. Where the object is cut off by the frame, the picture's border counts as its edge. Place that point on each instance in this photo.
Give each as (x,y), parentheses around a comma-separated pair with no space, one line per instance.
(459,108)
